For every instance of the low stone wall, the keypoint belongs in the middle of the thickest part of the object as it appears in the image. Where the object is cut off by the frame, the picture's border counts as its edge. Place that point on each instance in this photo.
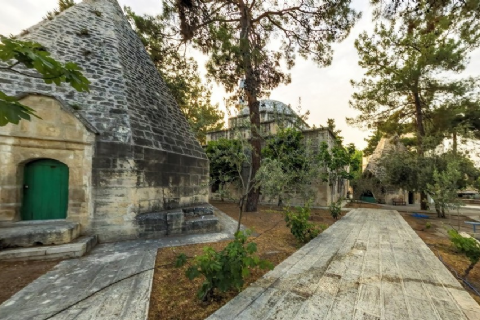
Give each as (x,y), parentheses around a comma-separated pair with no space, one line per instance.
(191,220)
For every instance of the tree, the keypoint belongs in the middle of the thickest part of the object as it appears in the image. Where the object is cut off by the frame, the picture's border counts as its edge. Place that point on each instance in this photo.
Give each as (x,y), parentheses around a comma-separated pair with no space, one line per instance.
(335,163)
(17,56)
(180,74)
(228,161)
(444,188)
(393,9)
(404,64)
(225,157)
(468,246)
(237,37)
(372,142)
(438,175)
(287,152)
(62,6)
(331,125)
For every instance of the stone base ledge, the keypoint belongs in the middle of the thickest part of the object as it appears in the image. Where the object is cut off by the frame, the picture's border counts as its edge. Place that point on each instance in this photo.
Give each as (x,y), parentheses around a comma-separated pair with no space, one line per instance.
(75,249)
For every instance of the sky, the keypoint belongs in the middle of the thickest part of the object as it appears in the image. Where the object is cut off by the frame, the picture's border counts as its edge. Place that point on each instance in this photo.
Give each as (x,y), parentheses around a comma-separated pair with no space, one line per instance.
(324,92)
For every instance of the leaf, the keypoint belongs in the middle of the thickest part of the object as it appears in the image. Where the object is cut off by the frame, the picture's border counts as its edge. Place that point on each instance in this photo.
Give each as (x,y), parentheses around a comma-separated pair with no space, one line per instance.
(12,111)
(181,260)
(192,273)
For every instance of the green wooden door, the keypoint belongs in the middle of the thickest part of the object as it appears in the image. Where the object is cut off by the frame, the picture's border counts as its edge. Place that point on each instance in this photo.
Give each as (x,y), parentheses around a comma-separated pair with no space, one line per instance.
(45,190)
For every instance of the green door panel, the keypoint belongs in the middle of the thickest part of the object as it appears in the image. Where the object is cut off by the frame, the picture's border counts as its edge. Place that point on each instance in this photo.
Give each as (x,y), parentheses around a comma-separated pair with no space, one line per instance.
(45,190)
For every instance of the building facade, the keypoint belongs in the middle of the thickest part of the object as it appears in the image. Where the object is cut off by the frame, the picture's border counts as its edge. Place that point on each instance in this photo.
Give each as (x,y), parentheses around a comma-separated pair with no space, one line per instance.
(274,115)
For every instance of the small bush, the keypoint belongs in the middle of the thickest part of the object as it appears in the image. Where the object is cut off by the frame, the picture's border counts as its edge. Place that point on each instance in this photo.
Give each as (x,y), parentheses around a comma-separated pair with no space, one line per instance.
(468,246)
(300,227)
(224,270)
(336,209)
(428,225)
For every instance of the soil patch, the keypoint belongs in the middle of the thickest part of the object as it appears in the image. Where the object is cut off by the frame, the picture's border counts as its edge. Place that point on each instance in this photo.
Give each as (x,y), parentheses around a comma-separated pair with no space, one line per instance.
(174,296)
(433,231)
(15,275)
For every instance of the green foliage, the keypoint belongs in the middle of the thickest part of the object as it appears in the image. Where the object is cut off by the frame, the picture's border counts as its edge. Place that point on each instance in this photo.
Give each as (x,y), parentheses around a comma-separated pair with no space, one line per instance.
(439,175)
(335,209)
(226,160)
(336,163)
(33,55)
(372,141)
(405,62)
(62,6)
(180,74)
(224,270)
(331,125)
(468,246)
(428,225)
(297,220)
(444,187)
(287,166)
(239,38)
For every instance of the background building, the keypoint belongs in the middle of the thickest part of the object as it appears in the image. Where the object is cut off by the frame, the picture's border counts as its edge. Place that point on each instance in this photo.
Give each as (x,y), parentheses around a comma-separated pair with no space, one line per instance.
(273,116)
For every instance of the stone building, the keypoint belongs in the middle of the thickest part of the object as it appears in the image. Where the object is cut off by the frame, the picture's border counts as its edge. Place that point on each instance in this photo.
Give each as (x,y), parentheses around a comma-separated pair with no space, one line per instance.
(373,170)
(274,114)
(103,158)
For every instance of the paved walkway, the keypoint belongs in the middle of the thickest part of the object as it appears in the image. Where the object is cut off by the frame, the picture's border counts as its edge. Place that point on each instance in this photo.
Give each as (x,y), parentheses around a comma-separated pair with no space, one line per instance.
(369,265)
(113,282)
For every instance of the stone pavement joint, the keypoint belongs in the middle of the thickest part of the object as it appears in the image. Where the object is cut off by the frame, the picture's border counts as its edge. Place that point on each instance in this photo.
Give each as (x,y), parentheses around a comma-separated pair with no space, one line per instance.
(113,282)
(369,265)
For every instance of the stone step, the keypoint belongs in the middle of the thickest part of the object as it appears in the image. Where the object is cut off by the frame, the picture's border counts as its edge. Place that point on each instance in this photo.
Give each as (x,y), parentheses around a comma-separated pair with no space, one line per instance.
(75,249)
(35,233)
(191,220)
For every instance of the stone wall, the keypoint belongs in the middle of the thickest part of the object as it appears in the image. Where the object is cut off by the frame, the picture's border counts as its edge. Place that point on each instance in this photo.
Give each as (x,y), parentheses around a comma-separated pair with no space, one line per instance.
(146,158)
(58,135)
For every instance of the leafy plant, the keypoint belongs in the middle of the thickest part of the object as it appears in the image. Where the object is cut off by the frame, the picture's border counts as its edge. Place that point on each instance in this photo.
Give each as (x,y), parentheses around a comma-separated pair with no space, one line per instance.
(84,32)
(428,225)
(62,6)
(336,208)
(224,270)
(33,55)
(468,246)
(297,220)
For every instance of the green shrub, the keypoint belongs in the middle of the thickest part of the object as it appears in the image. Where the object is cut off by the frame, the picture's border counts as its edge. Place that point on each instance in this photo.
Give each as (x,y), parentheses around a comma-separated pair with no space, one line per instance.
(468,246)
(224,270)
(300,227)
(336,209)
(428,225)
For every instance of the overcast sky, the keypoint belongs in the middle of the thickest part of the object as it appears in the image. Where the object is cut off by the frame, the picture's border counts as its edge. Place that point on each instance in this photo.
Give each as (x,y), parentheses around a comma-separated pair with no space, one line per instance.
(323,91)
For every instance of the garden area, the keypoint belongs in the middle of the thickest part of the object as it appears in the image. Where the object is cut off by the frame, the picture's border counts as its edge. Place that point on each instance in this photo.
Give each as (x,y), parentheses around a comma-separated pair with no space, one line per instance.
(174,296)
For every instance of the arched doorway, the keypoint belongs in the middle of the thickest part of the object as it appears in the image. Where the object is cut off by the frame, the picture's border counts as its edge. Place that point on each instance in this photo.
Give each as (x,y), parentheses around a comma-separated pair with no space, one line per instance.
(45,190)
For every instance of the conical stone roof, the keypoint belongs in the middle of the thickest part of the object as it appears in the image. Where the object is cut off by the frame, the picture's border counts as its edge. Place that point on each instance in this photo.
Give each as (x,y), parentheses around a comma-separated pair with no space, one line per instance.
(128,101)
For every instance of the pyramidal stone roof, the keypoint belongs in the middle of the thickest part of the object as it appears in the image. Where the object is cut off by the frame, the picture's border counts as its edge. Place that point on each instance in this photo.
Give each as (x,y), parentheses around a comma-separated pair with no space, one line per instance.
(128,101)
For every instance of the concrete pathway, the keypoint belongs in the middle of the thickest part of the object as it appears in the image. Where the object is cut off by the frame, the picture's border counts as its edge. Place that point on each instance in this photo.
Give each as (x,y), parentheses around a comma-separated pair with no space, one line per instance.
(113,282)
(369,265)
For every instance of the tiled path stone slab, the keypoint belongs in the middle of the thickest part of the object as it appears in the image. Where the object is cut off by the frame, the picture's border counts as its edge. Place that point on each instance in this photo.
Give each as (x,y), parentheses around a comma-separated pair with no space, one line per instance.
(113,282)
(369,265)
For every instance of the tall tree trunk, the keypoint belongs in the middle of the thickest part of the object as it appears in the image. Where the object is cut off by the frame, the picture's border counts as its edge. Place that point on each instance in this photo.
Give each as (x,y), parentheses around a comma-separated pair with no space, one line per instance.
(251,84)
(420,136)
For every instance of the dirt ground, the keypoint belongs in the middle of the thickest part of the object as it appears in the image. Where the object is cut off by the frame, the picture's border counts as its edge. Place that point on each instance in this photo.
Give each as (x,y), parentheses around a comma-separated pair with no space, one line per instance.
(174,296)
(16,275)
